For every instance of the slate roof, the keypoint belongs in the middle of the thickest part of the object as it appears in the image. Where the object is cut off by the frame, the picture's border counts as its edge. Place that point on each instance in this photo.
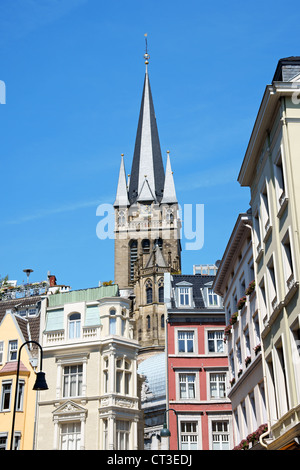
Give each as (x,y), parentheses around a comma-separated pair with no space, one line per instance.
(147,160)
(29,326)
(198,281)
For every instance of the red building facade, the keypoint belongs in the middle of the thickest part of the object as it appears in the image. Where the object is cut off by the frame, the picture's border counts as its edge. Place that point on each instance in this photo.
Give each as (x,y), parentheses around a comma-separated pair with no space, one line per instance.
(199,416)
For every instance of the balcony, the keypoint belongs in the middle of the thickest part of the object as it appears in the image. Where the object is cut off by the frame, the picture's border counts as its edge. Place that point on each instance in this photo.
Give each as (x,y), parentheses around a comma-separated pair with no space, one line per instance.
(59,337)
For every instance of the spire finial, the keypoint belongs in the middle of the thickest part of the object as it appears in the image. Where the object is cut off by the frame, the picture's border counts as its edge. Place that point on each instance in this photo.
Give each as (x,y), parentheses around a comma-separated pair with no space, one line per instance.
(146,55)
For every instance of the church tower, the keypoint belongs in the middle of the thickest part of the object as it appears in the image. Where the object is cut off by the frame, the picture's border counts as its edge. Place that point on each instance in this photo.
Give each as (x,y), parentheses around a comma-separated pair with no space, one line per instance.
(147,227)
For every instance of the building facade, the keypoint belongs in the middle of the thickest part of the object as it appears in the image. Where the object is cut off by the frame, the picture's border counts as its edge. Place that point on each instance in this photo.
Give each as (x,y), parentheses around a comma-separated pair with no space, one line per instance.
(270,169)
(90,359)
(199,416)
(19,323)
(235,283)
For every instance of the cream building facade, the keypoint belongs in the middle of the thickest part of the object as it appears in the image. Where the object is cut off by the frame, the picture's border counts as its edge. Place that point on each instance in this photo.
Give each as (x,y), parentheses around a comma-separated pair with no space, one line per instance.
(90,361)
(271,169)
(235,282)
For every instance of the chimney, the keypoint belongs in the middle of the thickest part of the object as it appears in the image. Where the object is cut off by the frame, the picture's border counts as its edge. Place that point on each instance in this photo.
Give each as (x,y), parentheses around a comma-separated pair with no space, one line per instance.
(52,280)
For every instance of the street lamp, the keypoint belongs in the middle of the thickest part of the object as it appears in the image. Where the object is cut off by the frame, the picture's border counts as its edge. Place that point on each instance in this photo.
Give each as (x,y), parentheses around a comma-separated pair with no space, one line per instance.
(40,384)
(165,432)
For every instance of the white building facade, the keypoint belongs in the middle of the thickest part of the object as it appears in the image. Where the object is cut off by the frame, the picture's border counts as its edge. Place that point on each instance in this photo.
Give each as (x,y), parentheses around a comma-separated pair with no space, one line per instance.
(235,282)
(90,361)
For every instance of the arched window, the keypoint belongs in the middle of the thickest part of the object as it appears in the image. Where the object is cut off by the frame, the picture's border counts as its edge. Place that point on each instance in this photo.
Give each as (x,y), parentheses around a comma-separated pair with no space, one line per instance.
(74,325)
(146,245)
(161,290)
(169,215)
(133,246)
(148,321)
(121,218)
(112,322)
(149,292)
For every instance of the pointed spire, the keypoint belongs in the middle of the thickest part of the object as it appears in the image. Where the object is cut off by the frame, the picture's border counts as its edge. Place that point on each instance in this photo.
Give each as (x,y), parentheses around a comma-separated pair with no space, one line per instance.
(147,159)
(122,195)
(169,196)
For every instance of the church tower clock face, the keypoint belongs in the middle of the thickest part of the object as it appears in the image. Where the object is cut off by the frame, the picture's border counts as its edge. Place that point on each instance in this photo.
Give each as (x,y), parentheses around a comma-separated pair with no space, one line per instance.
(147,227)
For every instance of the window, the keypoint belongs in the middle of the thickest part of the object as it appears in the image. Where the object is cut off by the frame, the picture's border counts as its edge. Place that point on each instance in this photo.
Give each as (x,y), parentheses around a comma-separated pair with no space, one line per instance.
(72,381)
(12,350)
(216,341)
(184,296)
(149,292)
(123,376)
(247,342)
(20,395)
(74,325)
(257,233)
(133,257)
(212,298)
(253,410)
(161,290)
(287,261)
(121,218)
(265,210)
(189,435)
(112,322)
(123,433)
(187,385)
(220,435)
(272,284)
(105,434)
(279,182)
(239,354)
(70,436)
(106,376)
(217,385)
(1,351)
(6,396)
(146,246)
(162,321)
(185,341)
(263,299)
(3,441)
(169,215)
(32,312)
(17,441)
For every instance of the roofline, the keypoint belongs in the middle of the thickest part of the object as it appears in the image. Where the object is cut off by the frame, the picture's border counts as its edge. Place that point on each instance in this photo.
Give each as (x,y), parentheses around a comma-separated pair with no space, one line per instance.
(270,101)
(230,254)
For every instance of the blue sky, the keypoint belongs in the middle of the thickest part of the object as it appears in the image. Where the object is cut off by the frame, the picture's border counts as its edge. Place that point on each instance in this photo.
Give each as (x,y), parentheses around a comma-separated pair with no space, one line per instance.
(74,72)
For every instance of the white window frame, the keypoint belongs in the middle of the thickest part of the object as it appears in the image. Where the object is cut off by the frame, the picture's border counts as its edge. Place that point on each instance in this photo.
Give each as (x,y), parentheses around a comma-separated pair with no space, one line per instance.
(178,374)
(222,420)
(218,382)
(68,381)
(215,340)
(191,436)
(192,331)
(1,352)
(123,435)
(72,436)
(12,350)
(74,326)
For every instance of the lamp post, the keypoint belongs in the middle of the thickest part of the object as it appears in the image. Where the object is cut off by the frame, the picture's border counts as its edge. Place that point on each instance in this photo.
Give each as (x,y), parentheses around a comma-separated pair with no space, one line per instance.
(40,384)
(165,432)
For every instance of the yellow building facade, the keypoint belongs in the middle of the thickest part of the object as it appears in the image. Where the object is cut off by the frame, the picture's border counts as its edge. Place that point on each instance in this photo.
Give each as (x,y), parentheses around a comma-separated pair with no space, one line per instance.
(14,332)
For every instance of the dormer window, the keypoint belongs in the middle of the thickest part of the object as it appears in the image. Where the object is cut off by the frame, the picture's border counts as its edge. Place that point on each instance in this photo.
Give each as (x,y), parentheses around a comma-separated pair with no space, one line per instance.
(184,294)
(212,298)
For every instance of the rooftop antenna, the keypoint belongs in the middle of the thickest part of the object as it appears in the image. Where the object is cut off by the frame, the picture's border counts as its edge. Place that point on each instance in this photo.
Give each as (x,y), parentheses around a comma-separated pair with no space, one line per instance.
(146,55)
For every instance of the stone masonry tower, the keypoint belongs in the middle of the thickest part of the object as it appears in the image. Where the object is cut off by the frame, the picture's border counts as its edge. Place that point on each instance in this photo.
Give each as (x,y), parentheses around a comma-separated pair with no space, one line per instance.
(147,228)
